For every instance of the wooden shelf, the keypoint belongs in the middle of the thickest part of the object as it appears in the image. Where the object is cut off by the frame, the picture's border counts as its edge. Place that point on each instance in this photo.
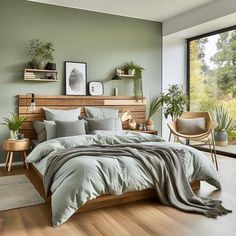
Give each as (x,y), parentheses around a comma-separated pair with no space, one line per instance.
(39,70)
(43,80)
(126,76)
(40,75)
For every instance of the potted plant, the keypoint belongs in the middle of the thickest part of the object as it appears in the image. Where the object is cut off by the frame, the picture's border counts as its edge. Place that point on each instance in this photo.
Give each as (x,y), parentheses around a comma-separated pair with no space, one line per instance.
(41,52)
(174,101)
(14,124)
(136,71)
(225,125)
(155,104)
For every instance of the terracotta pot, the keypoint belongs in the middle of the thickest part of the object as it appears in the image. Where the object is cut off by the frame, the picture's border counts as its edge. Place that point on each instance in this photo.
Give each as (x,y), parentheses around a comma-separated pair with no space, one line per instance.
(149,124)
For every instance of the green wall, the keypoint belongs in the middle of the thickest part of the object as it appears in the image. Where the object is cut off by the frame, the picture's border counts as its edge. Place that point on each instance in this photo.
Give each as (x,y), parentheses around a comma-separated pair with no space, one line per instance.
(103,41)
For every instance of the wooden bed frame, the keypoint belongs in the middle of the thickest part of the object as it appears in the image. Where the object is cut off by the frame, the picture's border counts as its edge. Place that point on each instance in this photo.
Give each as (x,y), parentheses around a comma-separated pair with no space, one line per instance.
(124,103)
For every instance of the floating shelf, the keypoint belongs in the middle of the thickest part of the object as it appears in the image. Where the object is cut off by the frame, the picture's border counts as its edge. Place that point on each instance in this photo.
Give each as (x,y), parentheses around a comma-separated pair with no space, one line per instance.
(126,76)
(41,75)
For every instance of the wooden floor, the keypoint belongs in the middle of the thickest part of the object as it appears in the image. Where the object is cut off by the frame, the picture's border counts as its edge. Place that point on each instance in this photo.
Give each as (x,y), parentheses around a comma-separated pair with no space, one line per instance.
(141,218)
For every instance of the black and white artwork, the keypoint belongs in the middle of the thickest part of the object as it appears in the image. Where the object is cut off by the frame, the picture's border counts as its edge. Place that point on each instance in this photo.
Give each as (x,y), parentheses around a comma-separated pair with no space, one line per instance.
(76,78)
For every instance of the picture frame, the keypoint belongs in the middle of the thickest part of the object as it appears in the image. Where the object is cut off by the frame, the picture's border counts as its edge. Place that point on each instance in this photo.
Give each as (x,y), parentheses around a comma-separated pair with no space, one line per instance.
(76,78)
(95,88)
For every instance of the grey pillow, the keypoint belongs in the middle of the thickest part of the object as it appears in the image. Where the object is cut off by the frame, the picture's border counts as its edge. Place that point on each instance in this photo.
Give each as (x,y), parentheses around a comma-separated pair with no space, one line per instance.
(92,124)
(62,115)
(100,124)
(40,130)
(101,113)
(191,126)
(51,130)
(70,128)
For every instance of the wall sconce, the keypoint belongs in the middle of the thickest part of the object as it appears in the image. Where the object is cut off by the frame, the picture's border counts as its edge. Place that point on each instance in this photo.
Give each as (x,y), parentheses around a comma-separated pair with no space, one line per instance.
(32,103)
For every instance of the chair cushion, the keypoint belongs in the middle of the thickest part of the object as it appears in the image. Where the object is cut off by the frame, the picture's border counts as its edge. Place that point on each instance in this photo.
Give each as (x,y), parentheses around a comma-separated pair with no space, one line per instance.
(191,126)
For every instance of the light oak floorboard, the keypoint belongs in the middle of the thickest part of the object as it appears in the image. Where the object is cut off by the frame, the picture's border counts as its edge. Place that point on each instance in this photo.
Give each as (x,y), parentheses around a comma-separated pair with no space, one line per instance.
(140,218)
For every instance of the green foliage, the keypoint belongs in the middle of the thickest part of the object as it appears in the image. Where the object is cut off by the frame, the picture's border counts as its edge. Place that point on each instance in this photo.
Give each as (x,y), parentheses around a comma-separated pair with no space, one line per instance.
(40,50)
(225,122)
(225,60)
(138,85)
(155,104)
(232,135)
(174,101)
(15,122)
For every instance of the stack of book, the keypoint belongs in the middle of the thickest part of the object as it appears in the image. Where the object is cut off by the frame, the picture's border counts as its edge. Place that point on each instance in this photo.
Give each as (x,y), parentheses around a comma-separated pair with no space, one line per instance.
(30,75)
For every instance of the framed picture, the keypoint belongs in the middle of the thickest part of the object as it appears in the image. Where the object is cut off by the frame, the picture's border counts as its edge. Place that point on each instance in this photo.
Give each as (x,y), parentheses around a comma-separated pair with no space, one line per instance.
(76,78)
(95,88)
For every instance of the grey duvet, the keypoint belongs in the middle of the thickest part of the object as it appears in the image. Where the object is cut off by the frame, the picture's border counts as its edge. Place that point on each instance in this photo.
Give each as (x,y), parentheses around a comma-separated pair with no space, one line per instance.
(81,168)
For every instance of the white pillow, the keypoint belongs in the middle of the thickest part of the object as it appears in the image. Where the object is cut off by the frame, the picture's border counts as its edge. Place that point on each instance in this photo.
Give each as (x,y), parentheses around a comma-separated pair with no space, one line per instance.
(191,126)
(62,115)
(51,130)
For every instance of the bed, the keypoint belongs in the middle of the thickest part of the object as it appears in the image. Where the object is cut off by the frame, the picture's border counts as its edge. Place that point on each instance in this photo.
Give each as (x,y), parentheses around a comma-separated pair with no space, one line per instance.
(106,180)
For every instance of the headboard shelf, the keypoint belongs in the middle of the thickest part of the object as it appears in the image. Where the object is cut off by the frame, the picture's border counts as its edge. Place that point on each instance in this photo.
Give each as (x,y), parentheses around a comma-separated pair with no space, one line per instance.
(122,103)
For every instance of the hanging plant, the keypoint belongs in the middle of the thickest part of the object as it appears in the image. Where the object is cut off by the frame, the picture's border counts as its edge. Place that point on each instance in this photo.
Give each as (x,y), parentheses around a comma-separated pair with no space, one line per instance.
(137,71)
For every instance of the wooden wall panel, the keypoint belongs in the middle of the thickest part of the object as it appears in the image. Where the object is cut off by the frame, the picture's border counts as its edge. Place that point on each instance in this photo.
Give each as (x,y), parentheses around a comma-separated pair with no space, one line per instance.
(122,103)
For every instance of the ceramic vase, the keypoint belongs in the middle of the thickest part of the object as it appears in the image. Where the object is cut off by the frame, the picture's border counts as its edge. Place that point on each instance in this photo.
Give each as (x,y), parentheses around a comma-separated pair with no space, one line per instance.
(149,124)
(221,138)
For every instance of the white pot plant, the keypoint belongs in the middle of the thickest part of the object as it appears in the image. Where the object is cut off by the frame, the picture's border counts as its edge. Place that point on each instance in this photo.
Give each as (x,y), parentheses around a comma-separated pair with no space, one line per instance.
(225,125)
(136,71)
(155,104)
(41,53)
(14,124)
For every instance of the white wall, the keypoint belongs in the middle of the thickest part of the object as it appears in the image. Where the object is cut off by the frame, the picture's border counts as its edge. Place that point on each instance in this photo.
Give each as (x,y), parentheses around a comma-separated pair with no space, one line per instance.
(174,68)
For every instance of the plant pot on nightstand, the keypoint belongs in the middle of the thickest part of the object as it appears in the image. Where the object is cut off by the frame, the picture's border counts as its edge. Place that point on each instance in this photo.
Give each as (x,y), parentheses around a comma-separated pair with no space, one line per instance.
(149,124)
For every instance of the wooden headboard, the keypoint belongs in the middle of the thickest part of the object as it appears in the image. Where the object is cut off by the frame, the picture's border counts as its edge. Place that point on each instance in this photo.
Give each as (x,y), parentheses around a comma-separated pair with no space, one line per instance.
(122,103)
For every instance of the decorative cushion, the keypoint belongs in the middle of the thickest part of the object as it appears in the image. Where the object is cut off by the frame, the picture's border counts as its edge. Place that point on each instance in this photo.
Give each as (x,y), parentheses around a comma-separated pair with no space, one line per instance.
(70,128)
(40,130)
(51,130)
(100,124)
(62,115)
(101,113)
(191,126)
(104,124)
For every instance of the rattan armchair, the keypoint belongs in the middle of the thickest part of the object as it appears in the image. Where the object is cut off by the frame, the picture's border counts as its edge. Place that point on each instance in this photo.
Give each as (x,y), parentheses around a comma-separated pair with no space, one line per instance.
(206,136)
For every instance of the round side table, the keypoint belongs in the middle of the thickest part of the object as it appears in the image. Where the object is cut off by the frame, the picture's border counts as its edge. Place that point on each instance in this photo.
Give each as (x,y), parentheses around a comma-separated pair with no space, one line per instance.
(11,146)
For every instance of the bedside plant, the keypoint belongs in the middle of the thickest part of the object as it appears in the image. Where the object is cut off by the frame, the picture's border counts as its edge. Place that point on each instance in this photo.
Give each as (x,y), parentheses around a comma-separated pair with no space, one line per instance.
(41,52)
(174,101)
(155,104)
(136,71)
(226,124)
(14,124)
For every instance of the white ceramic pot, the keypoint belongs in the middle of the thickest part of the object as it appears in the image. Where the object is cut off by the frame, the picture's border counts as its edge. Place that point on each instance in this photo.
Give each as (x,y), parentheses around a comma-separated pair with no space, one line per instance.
(131,71)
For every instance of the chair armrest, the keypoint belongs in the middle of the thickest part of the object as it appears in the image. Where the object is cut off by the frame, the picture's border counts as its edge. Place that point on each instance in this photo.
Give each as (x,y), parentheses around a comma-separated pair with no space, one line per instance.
(211,125)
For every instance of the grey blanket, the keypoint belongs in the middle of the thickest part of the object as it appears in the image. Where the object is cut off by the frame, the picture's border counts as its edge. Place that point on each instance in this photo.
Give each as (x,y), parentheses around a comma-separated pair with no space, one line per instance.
(164,164)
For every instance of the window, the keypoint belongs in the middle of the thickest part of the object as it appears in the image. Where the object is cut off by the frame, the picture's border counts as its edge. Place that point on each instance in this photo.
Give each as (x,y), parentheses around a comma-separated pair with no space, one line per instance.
(211,73)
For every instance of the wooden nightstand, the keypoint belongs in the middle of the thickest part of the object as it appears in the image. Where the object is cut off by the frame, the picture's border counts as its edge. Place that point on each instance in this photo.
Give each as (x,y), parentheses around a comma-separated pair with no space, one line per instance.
(11,146)
(146,131)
